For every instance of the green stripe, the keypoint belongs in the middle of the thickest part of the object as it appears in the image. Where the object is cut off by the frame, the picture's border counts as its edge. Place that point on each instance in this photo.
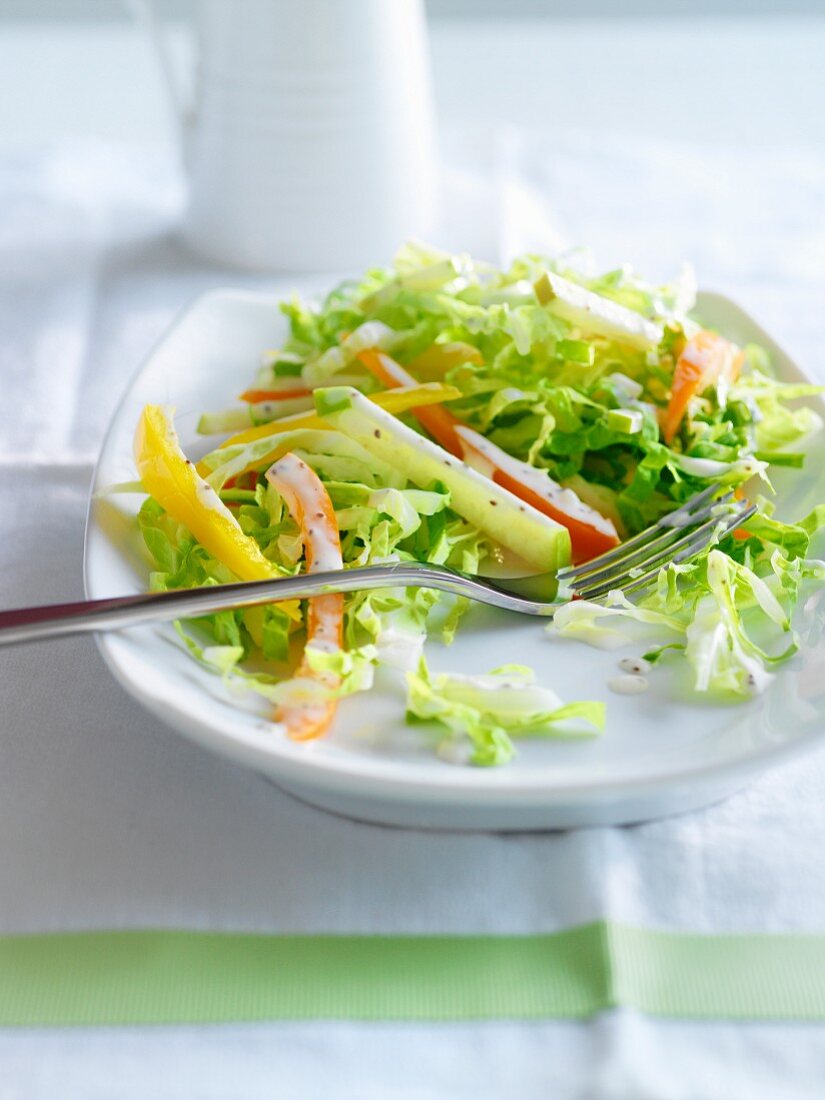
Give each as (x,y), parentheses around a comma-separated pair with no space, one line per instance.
(193,977)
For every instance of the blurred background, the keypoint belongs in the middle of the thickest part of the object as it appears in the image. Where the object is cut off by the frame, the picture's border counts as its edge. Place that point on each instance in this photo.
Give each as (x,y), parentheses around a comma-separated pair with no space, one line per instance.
(713,70)
(654,132)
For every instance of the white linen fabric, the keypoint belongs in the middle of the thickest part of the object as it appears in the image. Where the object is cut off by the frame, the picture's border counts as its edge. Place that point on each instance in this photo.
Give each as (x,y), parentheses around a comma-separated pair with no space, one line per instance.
(109,820)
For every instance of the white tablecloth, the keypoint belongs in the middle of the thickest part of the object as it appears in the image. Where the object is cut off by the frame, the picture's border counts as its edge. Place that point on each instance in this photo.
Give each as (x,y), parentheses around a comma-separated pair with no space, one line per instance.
(109,820)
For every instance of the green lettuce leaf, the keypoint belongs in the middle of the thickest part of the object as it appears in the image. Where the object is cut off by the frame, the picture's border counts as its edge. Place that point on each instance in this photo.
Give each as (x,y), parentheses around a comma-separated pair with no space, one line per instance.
(487,711)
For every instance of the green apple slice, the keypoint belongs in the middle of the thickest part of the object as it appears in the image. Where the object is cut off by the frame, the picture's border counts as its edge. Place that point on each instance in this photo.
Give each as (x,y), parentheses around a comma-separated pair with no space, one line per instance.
(535,538)
(595,315)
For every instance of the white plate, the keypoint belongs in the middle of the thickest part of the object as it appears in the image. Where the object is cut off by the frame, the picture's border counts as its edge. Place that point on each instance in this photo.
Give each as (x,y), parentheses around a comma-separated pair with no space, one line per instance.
(658,756)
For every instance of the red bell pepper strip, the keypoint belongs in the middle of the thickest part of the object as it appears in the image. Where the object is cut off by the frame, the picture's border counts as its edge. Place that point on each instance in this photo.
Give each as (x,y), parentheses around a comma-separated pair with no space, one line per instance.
(309,505)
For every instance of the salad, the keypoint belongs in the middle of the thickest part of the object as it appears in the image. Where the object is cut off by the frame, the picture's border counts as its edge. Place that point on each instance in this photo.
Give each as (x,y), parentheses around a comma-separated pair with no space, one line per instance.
(446,411)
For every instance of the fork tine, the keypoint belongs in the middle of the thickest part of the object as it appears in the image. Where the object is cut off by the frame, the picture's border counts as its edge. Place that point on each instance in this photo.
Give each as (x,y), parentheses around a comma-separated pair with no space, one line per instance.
(672,520)
(689,545)
(677,516)
(685,555)
(620,575)
(641,554)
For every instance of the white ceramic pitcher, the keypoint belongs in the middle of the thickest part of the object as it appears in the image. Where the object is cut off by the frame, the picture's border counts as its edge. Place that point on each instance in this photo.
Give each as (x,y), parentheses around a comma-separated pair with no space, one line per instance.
(309,140)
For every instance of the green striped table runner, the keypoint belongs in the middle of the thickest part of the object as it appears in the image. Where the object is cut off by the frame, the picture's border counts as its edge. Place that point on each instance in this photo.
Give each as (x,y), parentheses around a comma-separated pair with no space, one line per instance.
(163,977)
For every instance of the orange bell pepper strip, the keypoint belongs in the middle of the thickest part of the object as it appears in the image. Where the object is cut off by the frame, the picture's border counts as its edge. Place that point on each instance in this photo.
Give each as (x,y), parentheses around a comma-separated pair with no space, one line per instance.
(438,421)
(254,397)
(310,506)
(705,360)
(591,533)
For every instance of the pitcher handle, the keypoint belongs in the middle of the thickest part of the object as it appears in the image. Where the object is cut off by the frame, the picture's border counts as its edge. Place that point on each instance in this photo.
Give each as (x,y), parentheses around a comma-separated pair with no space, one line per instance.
(181,112)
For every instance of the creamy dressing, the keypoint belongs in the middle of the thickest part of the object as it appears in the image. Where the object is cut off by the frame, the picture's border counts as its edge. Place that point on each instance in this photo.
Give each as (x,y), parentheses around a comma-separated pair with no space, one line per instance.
(326,551)
(399,648)
(636,666)
(309,505)
(325,612)
(451,751)
(474,456)
(628,685)
(303,493)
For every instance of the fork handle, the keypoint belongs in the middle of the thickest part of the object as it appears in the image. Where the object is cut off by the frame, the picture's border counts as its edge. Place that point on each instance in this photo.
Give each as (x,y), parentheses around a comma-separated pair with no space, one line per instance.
(33,624)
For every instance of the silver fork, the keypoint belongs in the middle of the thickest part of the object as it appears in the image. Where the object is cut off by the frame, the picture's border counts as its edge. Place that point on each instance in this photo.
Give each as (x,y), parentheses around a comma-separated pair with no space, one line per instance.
(677,537)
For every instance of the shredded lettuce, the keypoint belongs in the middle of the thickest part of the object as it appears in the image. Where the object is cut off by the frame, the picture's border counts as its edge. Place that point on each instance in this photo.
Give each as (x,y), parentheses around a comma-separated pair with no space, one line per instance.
(485,712)
(353,671)
(564,368)
(716,606)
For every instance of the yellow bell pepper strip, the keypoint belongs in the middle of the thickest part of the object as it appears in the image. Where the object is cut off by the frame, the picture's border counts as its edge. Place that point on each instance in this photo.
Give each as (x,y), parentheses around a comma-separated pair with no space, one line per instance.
(309,505)
(706,360)
(591,533)
(168,476)
(396,401)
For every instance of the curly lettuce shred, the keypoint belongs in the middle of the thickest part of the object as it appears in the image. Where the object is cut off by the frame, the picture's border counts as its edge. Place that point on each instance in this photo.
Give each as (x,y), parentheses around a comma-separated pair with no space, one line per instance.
(564,370)
(485,712)
(713,610)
